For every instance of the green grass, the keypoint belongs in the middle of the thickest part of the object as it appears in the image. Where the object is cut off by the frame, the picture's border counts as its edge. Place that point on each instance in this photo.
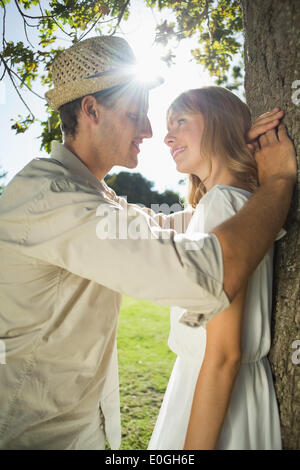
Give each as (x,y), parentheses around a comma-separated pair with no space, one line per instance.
(145,364)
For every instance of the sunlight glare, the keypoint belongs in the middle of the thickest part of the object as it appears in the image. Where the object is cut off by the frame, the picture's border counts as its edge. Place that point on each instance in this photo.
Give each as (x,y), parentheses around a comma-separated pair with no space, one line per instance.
(150,69)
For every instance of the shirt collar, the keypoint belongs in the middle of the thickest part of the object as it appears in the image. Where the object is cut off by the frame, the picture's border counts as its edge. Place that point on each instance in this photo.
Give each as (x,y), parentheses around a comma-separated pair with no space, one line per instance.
(70,161)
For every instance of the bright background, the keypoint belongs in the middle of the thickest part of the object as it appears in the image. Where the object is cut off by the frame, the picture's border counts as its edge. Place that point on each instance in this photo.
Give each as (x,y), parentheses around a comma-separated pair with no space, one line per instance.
(155,161)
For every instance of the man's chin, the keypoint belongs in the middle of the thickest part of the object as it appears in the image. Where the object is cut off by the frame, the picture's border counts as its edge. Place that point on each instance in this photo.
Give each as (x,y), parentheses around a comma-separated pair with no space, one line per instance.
(132,163)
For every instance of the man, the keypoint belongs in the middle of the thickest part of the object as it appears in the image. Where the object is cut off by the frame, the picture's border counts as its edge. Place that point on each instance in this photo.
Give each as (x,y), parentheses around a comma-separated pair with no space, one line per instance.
(63,271)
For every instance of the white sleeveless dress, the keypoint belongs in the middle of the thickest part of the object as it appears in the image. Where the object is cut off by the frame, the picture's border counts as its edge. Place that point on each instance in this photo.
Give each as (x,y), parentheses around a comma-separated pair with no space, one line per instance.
(252,418)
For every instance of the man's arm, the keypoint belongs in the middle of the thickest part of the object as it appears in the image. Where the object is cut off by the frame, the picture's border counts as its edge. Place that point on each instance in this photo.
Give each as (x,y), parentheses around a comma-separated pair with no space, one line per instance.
(246,237)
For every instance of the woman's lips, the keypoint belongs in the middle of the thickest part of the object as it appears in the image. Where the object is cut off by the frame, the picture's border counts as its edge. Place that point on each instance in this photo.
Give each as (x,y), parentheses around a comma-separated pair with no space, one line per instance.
(177,151)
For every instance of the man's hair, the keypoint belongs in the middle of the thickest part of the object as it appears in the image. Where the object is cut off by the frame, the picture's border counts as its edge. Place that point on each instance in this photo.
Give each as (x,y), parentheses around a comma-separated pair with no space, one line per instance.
(69,112)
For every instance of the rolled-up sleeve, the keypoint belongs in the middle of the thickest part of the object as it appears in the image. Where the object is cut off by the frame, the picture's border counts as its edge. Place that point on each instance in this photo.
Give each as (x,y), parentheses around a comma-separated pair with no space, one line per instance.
(120,248)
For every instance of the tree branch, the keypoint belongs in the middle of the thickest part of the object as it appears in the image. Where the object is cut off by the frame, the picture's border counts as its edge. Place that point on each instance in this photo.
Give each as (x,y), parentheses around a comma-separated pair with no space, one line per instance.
(84,34)
(28,16)
(120,16)
(23,83)
(41,10)
(15,86)
(2,76)
(94,24)
(25,24)
(4,18)
(205,13)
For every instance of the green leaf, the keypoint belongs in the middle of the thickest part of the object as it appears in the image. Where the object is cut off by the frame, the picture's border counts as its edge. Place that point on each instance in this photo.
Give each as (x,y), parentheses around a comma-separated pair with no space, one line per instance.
(216,24)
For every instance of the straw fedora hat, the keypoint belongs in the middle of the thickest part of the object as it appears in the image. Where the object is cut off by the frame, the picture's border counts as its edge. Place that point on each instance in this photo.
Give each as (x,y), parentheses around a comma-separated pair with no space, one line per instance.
(90,66)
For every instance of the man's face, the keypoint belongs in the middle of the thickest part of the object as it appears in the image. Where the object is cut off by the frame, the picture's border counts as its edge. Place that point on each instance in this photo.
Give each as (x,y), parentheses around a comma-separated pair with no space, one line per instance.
(122,129)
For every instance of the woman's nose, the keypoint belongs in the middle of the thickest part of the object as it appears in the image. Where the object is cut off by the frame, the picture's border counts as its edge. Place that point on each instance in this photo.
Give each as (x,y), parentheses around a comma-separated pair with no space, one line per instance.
(169,139)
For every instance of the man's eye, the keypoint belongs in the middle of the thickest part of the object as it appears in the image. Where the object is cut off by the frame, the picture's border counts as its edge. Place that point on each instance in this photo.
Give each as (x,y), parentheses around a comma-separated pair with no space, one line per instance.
(134,117)
(180,121)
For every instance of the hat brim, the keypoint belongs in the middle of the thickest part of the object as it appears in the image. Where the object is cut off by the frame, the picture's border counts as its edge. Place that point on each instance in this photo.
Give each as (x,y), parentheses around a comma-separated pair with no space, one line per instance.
(57,97)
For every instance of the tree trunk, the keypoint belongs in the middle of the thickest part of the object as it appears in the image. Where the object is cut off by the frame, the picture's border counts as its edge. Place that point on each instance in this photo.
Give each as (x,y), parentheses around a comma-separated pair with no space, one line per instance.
(272,65)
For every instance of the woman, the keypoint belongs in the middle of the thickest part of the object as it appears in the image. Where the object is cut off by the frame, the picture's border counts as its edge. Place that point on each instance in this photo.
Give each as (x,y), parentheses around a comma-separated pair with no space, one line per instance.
(220,394)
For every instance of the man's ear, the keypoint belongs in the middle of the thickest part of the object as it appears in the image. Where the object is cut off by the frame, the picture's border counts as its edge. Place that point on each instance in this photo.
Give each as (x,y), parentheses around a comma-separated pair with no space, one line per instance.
(90,108)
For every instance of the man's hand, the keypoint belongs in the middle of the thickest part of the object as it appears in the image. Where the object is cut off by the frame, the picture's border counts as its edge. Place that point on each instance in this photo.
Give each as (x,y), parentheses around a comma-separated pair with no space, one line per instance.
(276,157)
(262,124)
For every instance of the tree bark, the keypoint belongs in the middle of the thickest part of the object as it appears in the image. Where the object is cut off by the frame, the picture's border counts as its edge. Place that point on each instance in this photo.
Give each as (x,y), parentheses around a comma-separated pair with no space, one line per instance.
(272,65)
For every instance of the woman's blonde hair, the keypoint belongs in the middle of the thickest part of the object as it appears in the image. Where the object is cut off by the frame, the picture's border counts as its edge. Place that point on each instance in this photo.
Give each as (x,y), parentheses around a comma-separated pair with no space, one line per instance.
(226,122)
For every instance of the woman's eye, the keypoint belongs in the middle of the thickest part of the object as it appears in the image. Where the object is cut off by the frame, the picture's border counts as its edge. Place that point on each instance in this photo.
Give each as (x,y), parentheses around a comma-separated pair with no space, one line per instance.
(180,121)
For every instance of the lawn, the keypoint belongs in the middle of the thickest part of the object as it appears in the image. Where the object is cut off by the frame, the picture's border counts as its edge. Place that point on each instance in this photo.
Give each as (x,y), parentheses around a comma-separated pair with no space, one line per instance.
(145,364)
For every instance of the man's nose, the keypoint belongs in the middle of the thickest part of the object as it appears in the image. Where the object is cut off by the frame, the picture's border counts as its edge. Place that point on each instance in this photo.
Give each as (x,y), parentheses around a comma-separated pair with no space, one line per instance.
(145,131)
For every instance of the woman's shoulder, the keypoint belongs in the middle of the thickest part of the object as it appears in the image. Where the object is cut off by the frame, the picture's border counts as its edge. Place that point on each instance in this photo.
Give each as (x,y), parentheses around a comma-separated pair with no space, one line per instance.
(226,193)
(222,202)
(217,205)
(226,198)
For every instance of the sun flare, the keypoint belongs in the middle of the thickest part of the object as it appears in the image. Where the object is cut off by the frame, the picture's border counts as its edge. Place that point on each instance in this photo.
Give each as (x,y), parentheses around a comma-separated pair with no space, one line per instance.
(149,69)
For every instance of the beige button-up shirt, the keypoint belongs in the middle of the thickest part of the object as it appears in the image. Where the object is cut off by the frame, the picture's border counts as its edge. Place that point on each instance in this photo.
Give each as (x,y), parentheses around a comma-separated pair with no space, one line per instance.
(69,247)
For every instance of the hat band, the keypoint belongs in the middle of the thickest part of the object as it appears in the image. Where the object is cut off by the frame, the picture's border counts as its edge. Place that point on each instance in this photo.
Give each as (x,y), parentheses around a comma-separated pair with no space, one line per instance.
(71,91)
(126,71)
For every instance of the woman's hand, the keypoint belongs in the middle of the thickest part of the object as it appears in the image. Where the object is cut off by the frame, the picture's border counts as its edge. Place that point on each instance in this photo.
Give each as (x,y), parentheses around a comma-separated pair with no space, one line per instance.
(262,124)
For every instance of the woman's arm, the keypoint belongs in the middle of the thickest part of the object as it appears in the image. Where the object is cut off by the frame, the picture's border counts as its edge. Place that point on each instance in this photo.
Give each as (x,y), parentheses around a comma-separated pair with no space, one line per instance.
(217,375)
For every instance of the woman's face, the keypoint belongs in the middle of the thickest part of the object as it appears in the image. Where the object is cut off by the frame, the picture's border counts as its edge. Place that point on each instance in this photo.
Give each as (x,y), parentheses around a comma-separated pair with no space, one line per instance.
(184,139)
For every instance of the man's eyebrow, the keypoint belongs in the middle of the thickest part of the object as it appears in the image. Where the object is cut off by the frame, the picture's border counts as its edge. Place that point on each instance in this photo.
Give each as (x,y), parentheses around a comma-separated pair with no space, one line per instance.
(138,112)
(142,112)
(140,109)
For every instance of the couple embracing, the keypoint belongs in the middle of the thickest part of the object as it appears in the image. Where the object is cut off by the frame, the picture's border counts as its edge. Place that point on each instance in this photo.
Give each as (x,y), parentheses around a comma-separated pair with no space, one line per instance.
(61,284)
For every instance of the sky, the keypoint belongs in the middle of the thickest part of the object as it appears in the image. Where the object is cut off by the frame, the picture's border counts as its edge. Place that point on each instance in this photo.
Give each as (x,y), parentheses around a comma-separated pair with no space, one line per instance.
(155,161)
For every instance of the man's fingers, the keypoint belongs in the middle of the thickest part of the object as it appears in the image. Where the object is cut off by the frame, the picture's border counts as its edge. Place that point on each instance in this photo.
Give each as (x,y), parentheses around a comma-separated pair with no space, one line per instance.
(271,112)
(272,136)
(270,116)
(263,140)
(282,133)
(259,129)
(256,145)
(264,123)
